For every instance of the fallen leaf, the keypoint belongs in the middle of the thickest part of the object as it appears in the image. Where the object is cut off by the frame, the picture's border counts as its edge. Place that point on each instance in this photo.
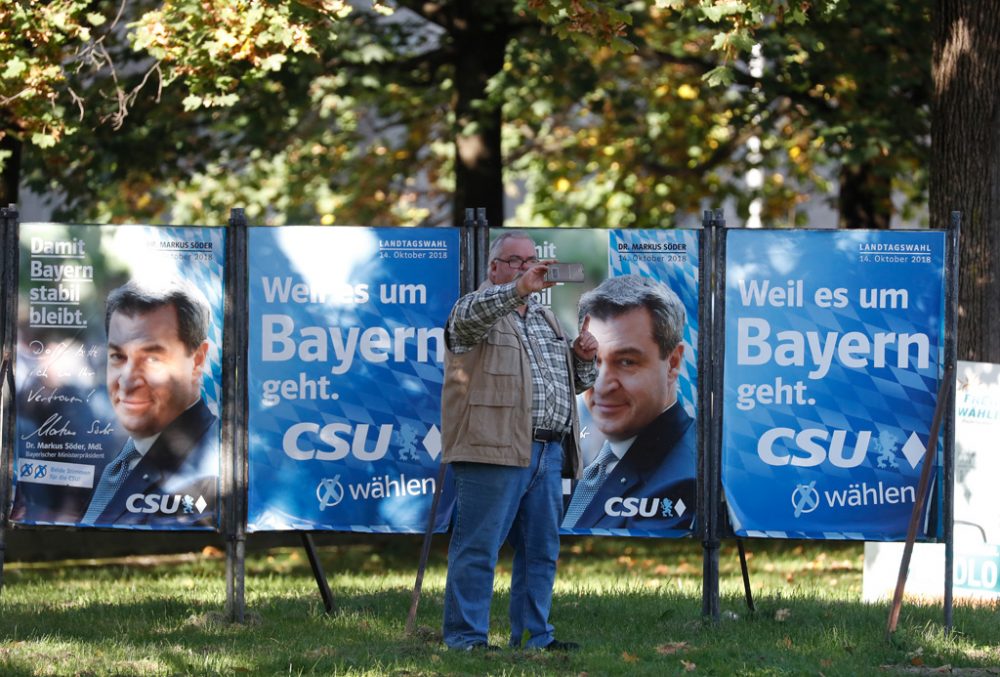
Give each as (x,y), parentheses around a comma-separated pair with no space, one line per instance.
(781,615)
(826,662)
(787,642)
(918,661)
(210,551)
(629,657)
(688,666)
(671,648)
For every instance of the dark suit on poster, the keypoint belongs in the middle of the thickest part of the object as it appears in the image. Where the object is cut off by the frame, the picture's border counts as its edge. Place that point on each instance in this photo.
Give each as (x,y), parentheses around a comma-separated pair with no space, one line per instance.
(183,462)
(661,463)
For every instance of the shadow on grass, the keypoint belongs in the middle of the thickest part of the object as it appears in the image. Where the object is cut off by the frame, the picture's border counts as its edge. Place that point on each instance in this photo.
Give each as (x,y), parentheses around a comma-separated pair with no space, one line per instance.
(612,597)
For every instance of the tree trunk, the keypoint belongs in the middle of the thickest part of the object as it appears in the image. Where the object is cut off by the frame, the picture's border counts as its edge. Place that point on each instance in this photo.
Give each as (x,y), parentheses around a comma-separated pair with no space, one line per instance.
(481,32)
(11,175)
(965,161)
(865,199)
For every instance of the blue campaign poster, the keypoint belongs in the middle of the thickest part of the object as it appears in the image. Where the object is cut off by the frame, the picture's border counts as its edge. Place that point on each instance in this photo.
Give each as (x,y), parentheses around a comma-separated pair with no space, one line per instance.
(118,373)
(642,289)
(834,345)
(345,369)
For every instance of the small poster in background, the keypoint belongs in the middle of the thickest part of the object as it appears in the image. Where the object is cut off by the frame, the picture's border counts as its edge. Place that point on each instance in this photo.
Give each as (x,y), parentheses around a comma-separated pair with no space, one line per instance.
(977,510)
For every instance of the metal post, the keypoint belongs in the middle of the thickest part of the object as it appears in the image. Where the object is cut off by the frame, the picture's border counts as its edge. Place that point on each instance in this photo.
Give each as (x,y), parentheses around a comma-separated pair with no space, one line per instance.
(5,448)
(747,592)
(705,344)
(482,246)
(718,352)
(425,550)
(9,257)
(469,238)
(234,438)
(943,398)
(467,255)
(951,359)
(317,569)
(710,401)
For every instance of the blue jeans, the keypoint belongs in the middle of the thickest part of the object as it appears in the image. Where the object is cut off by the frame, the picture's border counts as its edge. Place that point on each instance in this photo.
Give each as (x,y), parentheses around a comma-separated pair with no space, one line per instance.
(496,503)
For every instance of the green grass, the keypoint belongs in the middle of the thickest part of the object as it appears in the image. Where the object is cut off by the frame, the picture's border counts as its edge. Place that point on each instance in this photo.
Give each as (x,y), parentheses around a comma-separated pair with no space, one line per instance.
(634,605)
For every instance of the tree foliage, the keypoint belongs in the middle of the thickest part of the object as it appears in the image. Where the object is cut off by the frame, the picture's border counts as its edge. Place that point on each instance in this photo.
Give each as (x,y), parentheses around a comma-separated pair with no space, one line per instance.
(593,112)
(306,112)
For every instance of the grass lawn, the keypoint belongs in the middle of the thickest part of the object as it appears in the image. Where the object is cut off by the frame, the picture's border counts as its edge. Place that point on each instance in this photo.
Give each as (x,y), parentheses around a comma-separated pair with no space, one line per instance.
(634,605)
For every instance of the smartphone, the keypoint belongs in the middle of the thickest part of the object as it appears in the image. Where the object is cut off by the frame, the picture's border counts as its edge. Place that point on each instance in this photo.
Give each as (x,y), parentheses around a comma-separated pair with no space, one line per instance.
(564,272)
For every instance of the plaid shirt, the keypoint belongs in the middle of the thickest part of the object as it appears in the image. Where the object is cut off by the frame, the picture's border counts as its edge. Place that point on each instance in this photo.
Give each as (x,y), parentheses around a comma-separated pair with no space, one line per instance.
(552,401)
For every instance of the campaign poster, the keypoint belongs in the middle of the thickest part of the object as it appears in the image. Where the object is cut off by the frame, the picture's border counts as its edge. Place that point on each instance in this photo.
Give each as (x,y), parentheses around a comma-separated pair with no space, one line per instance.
(346,363)
(118,375)
(640,289)
(976,572)
(834,344)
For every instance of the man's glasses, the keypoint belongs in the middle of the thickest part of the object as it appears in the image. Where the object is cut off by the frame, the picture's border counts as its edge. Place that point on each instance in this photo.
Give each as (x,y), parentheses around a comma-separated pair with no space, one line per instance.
(515,261)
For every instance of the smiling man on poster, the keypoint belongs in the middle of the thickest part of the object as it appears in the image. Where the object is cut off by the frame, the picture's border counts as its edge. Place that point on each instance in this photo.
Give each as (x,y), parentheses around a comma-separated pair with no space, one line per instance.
(644,475)
(167,470)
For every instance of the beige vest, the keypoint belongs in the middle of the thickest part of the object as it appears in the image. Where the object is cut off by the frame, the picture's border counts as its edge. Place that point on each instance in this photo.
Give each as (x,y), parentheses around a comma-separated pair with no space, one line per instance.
(486,401)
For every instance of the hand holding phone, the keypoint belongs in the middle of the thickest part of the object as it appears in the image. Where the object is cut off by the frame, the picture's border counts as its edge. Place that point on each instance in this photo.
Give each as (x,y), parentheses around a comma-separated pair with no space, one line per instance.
(564,272)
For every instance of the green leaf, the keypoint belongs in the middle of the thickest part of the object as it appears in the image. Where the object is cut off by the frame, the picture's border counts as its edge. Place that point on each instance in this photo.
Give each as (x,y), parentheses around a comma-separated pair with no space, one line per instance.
(742,40)
(95,19)
(43,140)
(619,16)
(224,100)
(192,102)
(622,46)
(717,12)
(273,62)
(14,68)
(721,75)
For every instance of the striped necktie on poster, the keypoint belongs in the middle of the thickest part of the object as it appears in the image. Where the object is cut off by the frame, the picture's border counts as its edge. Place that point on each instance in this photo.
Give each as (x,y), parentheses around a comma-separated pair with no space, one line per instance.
(111,480)
(593,477)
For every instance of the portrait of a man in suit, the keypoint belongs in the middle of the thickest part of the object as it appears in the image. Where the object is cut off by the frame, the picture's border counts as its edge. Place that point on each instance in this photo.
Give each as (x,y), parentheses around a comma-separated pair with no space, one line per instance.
(644,475)
(167,471)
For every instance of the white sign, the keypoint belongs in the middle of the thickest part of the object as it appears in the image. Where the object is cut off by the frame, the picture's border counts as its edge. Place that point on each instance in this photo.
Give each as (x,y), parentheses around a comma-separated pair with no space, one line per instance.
(977,507)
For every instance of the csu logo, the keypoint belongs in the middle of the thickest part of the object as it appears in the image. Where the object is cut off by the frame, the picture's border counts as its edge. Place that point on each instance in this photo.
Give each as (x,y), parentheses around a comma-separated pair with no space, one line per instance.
(808,448)
(643,506)
(167,504)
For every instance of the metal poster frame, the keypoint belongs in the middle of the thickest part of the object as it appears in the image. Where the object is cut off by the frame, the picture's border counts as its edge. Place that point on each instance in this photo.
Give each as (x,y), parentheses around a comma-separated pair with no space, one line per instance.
(944,409)
(713,523)
(10,223)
